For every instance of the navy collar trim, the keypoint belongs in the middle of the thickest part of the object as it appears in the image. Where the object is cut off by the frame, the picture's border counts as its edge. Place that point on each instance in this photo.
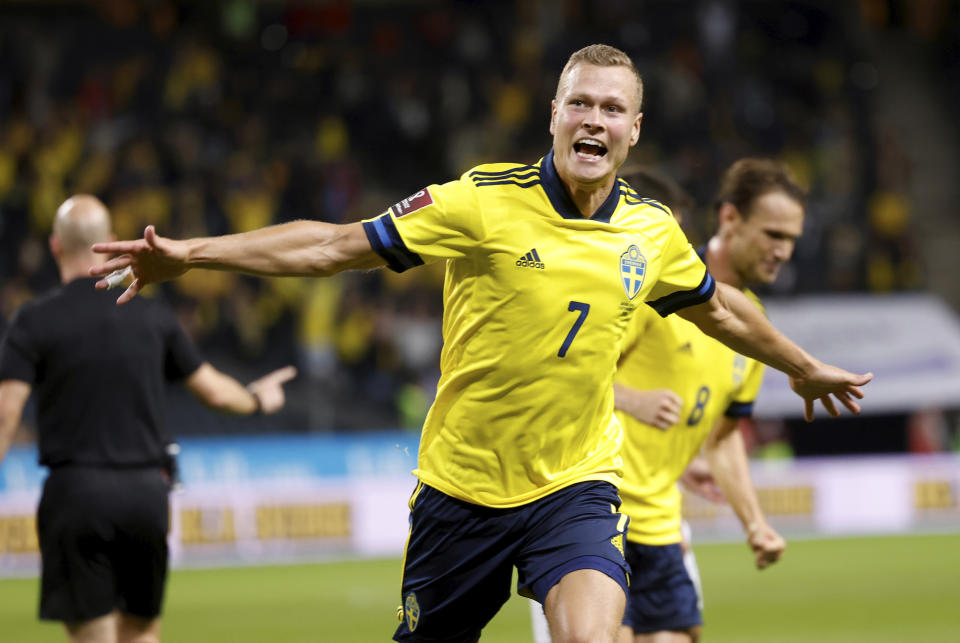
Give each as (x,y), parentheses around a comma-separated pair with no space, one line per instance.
(560,198)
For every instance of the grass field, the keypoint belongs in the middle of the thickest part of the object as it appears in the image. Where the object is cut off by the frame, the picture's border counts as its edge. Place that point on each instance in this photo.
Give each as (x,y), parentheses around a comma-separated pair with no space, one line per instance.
(878,589)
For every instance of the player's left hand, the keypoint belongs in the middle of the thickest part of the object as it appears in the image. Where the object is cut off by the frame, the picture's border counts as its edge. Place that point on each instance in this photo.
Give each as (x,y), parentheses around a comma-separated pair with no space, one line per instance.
(767,544)
(698,479)
(825,381)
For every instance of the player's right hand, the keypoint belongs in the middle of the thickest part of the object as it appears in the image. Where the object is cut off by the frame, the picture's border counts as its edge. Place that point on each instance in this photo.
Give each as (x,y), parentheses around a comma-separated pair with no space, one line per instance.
(659,408)
(151,259)
(767,544)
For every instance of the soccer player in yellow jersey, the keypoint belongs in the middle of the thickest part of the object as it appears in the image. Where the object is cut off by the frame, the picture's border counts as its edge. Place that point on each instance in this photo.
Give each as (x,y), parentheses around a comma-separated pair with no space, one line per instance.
(545,264)
(759,211)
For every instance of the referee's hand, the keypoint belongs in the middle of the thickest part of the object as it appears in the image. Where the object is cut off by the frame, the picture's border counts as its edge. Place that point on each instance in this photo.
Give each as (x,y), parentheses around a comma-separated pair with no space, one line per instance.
(151,259)
(269,389)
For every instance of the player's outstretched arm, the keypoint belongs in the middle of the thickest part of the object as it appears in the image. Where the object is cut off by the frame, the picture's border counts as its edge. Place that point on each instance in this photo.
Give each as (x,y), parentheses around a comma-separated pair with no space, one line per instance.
(223,393)
(13,397)
(734,320)
(658,407)
(727,456)
(299,248)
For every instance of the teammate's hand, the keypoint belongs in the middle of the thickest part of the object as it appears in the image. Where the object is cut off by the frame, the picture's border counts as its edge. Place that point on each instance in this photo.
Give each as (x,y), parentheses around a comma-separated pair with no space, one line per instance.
(826,381)
(698,479)
(659,408)
(151,259)
(767,544)
(269,389)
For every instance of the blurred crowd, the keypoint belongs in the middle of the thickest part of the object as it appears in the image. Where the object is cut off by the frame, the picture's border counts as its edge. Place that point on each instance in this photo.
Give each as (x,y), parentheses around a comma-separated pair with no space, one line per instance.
(219,117)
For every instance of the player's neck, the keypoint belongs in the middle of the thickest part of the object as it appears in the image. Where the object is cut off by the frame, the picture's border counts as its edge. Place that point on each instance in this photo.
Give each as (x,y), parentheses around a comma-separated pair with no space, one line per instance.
(588,197)
(77,266)
(717,258)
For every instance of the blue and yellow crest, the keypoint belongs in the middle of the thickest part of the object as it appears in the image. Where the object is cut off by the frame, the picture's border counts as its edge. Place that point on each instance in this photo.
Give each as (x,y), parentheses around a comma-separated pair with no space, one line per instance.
(411,610)
(739,369)
(633,265)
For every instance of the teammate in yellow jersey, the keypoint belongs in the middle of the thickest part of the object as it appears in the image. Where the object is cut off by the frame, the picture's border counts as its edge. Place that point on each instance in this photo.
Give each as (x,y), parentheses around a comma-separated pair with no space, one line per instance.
(759,211)
(545,264)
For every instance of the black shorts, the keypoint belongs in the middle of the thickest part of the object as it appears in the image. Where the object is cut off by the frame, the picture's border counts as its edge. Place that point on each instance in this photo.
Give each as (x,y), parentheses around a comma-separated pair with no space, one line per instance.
(103,542)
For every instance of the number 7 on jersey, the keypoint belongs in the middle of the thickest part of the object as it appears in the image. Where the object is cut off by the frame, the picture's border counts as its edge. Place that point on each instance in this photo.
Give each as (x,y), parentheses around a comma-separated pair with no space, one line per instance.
(583,309)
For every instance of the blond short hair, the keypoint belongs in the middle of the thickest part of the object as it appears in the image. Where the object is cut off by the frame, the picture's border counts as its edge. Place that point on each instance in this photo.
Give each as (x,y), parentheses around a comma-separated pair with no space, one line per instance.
(602,56)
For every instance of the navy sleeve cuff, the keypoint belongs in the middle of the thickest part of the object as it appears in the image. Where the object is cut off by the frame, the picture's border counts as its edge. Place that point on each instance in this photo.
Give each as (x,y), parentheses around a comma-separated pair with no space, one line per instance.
(675,301)
(739,410)
(386,242)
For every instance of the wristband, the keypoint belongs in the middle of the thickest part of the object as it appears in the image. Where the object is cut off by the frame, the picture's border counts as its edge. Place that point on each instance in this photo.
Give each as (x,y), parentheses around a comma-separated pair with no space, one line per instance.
(258,410)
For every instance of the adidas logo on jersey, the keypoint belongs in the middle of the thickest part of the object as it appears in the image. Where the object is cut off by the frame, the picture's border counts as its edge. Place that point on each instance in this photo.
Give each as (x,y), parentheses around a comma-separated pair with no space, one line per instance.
(531,260)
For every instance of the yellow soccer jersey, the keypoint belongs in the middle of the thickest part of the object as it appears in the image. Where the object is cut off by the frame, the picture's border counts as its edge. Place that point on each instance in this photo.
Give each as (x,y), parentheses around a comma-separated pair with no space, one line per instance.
(537,301)
(672,353)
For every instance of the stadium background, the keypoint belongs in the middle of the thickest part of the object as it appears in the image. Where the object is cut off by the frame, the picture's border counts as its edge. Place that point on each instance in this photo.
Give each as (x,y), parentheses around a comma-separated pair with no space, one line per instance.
(216,117)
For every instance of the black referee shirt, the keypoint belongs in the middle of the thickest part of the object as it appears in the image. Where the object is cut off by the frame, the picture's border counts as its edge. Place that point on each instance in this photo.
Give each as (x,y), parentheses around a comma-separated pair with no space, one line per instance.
(99,371)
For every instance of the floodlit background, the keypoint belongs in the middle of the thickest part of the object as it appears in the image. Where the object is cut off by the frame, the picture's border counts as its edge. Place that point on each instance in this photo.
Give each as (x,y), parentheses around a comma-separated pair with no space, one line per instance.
(224,116)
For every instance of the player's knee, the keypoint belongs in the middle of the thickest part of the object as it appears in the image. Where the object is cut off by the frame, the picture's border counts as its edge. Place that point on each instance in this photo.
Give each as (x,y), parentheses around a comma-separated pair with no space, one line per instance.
(587,636)
(584,632)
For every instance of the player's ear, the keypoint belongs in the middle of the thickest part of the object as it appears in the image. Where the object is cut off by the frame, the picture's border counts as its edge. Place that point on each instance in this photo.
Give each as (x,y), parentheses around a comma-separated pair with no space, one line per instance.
(728,215)
(55,247)
(553,116)
(635,134)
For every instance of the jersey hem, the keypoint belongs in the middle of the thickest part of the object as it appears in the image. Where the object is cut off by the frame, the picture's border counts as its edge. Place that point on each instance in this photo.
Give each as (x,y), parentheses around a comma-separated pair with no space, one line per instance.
(515,501)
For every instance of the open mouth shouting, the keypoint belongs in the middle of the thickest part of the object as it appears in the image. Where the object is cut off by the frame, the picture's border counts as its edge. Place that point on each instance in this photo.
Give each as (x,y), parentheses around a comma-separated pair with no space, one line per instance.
(589,149)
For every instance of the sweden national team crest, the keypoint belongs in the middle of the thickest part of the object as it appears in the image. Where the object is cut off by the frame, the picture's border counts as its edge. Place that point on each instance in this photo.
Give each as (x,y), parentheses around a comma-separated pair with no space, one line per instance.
(411,611)
(633,265)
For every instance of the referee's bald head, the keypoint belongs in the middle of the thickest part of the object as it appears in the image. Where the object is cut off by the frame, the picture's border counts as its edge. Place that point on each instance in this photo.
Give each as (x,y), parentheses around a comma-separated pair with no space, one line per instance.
(81,221)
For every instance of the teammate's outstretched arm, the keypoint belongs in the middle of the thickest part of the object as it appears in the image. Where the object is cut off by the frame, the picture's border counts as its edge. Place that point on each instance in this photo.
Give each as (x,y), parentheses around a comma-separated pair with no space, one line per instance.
(734,320)
(299,248)
(727,455)
(220,392)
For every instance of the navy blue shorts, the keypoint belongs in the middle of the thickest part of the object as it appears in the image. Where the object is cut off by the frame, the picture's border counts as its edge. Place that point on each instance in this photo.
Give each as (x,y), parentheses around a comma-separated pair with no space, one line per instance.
(661,596)
(460,556)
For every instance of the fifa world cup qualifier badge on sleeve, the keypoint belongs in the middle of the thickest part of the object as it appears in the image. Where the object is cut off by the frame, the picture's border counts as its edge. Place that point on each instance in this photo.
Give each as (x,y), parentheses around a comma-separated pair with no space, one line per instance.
(412,203)
(633,266)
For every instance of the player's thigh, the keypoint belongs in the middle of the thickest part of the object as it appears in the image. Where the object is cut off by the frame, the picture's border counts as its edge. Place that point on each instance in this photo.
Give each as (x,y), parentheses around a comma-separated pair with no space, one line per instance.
(457,568)
(662,597)
(75,536)
(586,605)
(134,629)
(102,629)
(140,554)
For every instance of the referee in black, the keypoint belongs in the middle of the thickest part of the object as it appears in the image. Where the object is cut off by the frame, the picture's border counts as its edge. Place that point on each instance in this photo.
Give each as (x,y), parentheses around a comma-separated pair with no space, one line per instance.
(100,372)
